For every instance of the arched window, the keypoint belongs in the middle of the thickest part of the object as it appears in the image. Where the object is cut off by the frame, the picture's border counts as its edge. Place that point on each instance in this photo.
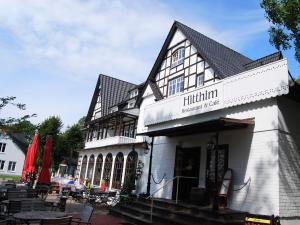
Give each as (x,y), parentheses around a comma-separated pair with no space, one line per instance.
(177,57)
(98,170)
(107,167)
(131,163)
(118,171)
(90,167)
(83,168)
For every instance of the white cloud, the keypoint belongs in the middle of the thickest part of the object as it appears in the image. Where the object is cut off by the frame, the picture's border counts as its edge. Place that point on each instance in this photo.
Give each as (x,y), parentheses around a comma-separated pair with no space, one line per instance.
(52,51)
(84,38)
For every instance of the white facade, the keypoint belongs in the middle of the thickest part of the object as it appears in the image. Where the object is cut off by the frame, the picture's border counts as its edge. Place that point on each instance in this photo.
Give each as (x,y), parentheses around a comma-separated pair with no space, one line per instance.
(267,153)
(265,157)
(12,156)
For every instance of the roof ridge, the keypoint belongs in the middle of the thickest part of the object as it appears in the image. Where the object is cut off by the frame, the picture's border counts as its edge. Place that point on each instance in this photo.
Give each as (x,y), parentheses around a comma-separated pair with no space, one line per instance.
(101,74)
(213,40)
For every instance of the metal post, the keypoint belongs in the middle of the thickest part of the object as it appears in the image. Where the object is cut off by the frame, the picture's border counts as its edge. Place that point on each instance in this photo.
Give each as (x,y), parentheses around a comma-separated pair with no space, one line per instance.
(150,168)
(151,212)
(216,197)
(177,189)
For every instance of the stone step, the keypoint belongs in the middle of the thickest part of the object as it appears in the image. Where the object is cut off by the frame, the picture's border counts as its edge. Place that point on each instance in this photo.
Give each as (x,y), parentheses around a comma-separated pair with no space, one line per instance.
(167,216)
(180,208)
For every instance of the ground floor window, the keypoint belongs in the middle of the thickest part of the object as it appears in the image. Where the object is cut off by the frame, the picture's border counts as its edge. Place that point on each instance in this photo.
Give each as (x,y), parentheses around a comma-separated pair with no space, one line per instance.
(83,168)
(131,163)
(118,171)
(107,167)
(2,163)
(90,167)
(11,166)
(2,147)
(98,170)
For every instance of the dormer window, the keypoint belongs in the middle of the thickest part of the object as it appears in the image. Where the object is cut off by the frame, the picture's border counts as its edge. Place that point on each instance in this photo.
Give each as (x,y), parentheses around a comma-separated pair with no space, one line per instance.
(177,57)
(134,93)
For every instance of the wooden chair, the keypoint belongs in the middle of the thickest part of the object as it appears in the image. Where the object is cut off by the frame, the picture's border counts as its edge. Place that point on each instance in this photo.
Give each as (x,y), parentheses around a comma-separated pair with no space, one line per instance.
(32,193)
(58,221)
(32,205)
(85,215)
(3,222)
(13,207)
(16,193)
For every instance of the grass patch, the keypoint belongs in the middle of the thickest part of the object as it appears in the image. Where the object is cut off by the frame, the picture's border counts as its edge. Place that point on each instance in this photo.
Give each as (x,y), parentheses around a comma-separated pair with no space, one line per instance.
(7,177)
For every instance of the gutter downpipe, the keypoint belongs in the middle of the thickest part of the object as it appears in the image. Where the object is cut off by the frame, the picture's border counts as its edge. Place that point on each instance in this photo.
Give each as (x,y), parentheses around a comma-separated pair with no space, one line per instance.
(150,168)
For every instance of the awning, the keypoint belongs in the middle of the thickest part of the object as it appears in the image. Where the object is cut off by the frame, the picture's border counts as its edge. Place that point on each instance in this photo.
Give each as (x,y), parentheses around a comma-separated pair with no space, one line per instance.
(207,126)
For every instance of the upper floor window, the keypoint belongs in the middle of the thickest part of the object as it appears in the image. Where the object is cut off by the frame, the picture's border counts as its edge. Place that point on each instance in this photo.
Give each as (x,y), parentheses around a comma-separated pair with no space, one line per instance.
(176,85)
(2,163)
(200,80)
(11,166)
(177,57)
(2,147)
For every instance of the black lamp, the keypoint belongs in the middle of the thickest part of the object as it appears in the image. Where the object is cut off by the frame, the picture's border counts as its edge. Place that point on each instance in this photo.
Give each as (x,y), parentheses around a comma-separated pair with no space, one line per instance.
(146,147)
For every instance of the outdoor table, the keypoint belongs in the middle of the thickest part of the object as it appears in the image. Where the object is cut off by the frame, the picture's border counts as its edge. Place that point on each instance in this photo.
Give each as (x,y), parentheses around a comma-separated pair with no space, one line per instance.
(6,202)
(38,215)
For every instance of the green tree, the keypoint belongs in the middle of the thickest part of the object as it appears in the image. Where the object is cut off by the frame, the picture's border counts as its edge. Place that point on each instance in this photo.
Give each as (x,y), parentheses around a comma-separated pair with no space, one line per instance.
(285,29)
(5,123)
(72,140)
(50,126)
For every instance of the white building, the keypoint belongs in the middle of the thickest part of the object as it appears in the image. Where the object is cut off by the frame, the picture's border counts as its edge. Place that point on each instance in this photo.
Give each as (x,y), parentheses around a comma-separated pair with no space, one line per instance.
(111,150)
(200,91)
(12,154)
(204,108)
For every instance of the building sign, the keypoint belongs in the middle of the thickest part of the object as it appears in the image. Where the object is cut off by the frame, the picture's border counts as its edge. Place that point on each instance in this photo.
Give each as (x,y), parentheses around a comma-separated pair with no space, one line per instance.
(202,100)
(264,82)
(258,220)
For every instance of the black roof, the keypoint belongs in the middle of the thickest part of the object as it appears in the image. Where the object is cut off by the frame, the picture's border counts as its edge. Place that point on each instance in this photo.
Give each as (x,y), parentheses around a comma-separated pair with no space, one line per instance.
(224,61)
(113,91)
(20,140)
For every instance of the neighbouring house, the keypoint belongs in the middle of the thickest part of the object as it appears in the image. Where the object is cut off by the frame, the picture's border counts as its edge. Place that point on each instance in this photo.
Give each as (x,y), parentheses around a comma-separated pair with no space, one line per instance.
(12,154)
(111,149)
(209,108)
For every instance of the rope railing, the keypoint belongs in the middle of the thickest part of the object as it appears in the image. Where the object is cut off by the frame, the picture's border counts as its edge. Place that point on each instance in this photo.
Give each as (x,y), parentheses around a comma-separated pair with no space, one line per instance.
(166,184)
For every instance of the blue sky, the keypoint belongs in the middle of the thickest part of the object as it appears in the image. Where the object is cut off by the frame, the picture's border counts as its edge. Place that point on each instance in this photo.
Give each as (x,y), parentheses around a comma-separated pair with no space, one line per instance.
(51,52)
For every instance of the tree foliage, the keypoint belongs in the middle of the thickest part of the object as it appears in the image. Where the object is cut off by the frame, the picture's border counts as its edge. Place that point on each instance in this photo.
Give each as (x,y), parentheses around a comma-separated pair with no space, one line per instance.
(65,144)
(71,141)
(6,123)
(285,18)
(50,126)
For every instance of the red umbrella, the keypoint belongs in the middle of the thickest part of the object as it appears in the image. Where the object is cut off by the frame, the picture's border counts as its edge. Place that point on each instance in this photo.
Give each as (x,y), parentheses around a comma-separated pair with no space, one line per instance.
(44,177)
(25,166)
(33,153)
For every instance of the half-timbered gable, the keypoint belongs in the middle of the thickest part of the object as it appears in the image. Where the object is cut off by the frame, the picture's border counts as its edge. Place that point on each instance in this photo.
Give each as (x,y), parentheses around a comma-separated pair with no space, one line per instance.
(189,60)
(183,68)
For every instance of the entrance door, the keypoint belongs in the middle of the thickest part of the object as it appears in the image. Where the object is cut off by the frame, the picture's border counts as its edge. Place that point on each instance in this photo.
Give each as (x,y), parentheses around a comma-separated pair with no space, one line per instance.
(187,164)
(210,166)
